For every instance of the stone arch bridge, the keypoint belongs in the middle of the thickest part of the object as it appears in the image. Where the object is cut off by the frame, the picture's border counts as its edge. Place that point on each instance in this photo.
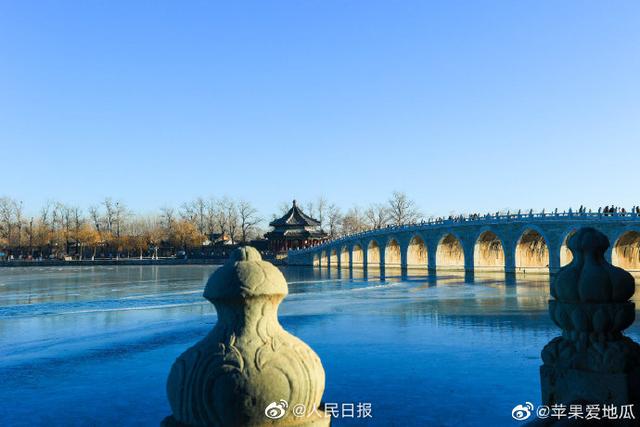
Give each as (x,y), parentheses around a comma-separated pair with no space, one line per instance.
(531,242)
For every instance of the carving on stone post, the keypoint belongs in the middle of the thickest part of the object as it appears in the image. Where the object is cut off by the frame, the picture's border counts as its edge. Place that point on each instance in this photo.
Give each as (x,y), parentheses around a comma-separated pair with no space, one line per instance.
(248,361)
(592,362)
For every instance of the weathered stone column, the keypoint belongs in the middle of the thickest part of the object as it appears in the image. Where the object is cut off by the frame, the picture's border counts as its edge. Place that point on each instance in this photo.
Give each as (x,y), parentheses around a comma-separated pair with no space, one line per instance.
(432,249)
(592,362)
(404,261)
(509,257)
(554,258)
(365,261)
(468,251)
(365,256)
(248,371)
(383,261)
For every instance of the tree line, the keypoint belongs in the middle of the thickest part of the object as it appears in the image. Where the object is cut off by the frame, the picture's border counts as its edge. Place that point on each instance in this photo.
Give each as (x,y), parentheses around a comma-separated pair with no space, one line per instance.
(111,229)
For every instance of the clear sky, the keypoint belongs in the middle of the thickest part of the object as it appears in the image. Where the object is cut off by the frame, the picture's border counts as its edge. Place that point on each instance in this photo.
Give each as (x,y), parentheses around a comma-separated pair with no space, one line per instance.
(466,106)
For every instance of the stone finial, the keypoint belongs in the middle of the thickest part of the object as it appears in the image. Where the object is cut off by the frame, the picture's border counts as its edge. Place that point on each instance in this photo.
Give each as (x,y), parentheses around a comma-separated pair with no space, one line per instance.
(248,365)
(592,361)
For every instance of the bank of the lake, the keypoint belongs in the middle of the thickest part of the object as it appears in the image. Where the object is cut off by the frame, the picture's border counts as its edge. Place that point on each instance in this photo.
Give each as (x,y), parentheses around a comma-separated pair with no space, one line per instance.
(112,262)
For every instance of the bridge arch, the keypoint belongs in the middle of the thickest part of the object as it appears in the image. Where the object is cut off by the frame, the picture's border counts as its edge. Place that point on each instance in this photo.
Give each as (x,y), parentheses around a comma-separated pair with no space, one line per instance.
(625,251)
(333,257)
(488,252)
(565,254)
(344,257)
(417,252)
(450,252)
(357,255)
(532,250)
(373,253)
(324,259)
(392,255)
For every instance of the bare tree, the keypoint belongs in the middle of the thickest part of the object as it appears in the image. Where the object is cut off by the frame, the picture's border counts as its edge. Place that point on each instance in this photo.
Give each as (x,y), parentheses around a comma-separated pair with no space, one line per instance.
(220,215)
(210,215)
(233,219)
(94,213)
(45,213)
(353,221)
(168,220)
(226,217)
(310,209)
(109,217)
(65,215)
(44,229)
(334,217)
(30,232)
(196,212)
(7,209)
(402,210)
(120,213)
(155,233)
(377,215)
(19,221)
(78,221)
(321,207)
(248,218)
(115,213)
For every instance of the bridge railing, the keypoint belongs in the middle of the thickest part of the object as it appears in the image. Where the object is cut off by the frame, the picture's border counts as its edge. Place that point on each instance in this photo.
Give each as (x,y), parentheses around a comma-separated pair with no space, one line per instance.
(477,219)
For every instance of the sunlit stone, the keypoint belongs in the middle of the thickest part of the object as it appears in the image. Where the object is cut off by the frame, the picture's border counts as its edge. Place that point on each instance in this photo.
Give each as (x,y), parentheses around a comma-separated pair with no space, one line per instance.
(248,365)
(592,361)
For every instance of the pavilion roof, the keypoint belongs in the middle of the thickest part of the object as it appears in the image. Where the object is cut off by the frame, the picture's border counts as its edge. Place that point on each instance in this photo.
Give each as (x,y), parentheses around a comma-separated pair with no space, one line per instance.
(295,218)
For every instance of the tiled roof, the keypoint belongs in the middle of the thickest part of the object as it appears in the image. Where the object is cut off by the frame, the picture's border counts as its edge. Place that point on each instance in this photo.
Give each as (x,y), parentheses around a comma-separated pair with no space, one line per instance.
(295,218)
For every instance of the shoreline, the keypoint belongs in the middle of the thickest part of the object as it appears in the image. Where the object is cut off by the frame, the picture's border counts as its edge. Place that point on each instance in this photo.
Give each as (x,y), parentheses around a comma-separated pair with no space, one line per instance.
(121,261)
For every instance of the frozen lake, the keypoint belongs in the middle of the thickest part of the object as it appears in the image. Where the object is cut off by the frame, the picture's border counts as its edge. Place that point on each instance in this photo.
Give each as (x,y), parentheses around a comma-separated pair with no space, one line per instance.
(93,345)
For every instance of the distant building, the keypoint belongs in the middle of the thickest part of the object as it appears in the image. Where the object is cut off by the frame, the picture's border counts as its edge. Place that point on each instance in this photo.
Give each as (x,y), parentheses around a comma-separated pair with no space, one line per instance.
(295,230)
(217,239)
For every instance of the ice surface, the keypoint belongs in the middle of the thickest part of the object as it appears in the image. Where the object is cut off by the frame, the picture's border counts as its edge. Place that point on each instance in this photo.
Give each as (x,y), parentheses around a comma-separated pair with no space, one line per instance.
(93,345)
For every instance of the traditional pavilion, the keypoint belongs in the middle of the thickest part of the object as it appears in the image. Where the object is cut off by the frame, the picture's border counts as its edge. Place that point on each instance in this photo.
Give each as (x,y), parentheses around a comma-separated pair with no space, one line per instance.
(295,230)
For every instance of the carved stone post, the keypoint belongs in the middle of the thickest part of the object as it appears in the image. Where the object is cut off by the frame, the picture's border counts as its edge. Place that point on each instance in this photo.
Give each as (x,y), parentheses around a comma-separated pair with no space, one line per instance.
(248,371)
(592,362)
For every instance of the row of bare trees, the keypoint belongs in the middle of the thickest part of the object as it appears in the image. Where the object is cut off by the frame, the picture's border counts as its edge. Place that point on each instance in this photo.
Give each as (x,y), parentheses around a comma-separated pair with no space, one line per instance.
(237,219)
(111,229)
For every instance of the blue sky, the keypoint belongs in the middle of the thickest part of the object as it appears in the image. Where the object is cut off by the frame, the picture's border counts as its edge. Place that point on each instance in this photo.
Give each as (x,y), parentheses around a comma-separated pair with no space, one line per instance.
(466,106)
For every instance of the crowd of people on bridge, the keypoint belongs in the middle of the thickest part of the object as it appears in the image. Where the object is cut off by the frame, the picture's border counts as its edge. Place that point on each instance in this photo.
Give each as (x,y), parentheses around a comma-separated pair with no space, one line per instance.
(582,210)
(610,210)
